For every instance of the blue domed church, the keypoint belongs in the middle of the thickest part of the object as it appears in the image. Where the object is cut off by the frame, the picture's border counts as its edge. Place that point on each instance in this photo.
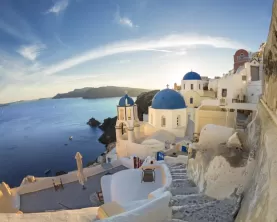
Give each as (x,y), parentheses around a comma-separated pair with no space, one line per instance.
(168,112)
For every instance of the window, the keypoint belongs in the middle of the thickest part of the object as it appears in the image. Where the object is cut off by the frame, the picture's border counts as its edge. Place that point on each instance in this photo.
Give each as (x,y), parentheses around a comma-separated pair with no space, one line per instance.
(191,100)
(199,86)
(121,114)
(129,114)
(243,78)
(191,86)
(224,93)
(178,120)
(163,123)
(151,119)
(184,86)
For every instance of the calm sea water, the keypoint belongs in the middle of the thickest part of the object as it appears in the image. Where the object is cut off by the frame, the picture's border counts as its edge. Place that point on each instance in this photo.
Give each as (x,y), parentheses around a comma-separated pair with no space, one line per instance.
(33,135)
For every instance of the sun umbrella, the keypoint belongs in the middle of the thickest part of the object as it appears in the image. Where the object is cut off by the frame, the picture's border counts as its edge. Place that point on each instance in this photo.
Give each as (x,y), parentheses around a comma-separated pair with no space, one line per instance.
(80,173)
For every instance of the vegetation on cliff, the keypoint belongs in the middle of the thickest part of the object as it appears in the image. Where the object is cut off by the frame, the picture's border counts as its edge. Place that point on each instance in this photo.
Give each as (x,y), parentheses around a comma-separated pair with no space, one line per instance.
(270,62)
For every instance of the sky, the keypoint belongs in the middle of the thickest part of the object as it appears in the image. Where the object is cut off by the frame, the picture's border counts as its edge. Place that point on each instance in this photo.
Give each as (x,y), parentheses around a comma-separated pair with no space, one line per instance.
(49,47)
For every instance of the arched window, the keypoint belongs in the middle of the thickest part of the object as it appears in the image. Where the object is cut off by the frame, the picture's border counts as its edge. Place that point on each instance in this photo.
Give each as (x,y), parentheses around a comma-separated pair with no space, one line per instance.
(129,114)
(163,123)
(178,120)
(191,100)
(121,114)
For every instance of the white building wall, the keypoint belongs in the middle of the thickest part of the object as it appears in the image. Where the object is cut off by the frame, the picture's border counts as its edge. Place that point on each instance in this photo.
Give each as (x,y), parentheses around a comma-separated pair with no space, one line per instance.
(197,85)
(155,119)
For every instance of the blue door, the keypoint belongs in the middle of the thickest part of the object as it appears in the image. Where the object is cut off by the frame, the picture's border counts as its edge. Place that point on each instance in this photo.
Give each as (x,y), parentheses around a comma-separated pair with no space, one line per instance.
(160,155)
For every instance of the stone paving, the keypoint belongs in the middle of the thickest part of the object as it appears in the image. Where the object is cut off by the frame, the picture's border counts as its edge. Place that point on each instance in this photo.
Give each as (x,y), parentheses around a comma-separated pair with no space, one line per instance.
(188,205)
(72,197)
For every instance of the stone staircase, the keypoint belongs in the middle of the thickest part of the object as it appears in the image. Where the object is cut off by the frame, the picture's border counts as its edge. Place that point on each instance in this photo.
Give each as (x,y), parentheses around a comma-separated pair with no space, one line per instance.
(188,205)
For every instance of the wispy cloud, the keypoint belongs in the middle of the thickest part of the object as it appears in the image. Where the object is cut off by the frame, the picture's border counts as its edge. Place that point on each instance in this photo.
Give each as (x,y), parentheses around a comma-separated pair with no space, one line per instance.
(58,7)
(165,44)
(124,61)
(124,21)
(31,52)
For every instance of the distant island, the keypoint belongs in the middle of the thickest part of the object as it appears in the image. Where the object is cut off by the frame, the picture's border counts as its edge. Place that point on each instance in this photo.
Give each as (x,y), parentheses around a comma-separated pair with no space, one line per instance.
(101,92)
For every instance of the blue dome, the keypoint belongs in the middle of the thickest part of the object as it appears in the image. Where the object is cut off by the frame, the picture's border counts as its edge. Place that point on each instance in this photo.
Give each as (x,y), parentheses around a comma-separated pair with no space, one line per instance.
(168,99)
(192,76)
(126,101)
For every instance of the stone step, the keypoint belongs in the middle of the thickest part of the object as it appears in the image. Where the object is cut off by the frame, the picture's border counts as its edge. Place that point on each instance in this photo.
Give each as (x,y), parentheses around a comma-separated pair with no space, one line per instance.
(183,191)
(182,183)
(215,211)
(178,171)
(186,200)
(175,177)
(177,220)
(177,167)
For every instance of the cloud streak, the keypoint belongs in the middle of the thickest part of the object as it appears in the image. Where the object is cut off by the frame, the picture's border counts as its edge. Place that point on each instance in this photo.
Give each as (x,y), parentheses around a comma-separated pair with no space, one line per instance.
(165,44)
(31,52)
(58,7)
(124,21)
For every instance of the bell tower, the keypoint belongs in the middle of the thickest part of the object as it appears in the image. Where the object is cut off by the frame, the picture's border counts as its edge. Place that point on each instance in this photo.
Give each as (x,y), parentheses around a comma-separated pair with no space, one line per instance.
(127,124)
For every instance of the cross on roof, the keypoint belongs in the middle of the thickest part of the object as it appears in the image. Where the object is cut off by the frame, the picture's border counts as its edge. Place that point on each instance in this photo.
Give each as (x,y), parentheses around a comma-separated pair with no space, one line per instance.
(126,92)
(167,86)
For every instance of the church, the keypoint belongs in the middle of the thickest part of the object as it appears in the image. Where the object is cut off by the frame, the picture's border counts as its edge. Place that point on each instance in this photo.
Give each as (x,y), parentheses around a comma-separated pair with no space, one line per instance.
(170,119)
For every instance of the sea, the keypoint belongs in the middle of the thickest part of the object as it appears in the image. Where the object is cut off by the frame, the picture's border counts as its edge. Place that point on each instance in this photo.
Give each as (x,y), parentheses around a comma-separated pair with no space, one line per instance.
(34,136)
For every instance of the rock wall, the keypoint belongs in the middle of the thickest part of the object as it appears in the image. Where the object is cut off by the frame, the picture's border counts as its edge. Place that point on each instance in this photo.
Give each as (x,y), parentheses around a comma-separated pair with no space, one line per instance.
(144,100)
(270,63)
(219,168)
(260,197)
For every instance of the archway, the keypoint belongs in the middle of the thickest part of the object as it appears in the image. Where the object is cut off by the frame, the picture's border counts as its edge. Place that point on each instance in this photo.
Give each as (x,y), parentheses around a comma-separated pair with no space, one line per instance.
(123,130)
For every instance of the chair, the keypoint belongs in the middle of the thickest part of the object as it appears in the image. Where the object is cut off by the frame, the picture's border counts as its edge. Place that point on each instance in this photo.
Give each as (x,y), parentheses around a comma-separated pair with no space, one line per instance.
(100,196)
(148,175)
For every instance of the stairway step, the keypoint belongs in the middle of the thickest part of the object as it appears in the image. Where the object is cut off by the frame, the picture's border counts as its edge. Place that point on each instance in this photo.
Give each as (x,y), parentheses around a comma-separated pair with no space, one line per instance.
(183,191)
(178,170)
(218,211)
(183,183)
(191,200)
(176,177)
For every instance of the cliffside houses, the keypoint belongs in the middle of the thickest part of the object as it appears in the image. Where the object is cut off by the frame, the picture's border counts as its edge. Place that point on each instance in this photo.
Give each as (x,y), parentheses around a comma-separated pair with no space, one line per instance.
(122,190)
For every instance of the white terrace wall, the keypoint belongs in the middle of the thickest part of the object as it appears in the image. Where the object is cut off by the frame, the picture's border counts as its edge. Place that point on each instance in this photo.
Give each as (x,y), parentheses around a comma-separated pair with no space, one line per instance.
(125,148)
(46,182)
(204,117)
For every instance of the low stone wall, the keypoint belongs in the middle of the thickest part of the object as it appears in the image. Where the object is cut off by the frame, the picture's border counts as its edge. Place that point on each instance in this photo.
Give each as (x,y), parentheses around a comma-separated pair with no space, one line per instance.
(47,182)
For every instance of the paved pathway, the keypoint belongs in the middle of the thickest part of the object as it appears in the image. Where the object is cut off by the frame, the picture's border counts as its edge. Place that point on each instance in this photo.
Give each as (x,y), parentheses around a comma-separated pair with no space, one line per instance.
(188,205)
(72,197)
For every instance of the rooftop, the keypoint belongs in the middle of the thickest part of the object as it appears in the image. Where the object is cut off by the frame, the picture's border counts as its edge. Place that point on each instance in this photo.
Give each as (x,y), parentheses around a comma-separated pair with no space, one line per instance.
(71,197)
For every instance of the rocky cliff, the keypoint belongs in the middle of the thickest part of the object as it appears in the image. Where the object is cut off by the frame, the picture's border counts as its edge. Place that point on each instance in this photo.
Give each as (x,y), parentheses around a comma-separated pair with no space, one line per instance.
(270,62)
(144,100)
(101,92)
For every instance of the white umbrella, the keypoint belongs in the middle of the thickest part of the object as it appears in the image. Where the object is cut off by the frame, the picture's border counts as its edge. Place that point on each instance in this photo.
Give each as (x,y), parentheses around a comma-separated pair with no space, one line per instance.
(80,173)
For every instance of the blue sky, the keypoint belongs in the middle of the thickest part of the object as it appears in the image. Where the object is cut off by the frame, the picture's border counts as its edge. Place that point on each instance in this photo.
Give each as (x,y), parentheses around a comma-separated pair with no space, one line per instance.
(49,47)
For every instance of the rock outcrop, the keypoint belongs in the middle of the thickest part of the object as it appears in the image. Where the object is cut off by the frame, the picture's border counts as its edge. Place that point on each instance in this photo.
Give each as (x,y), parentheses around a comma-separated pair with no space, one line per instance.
(108,128)
(93,122)
(270,62)
(144,100)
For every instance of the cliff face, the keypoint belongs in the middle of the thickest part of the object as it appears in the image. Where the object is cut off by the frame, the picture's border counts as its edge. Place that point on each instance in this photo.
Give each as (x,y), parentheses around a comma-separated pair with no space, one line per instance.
(270,62)
(144,100)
